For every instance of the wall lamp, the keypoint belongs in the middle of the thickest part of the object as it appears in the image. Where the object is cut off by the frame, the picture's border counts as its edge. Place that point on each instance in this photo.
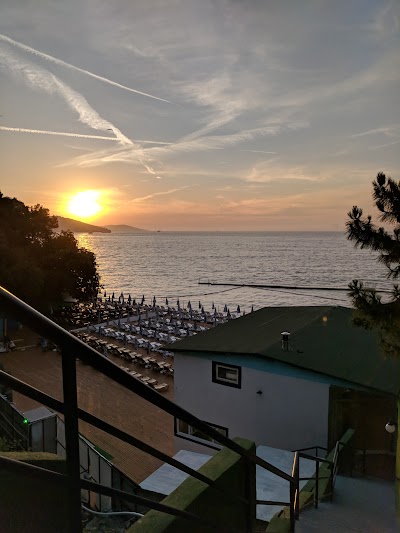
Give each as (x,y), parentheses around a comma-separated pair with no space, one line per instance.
(391,426)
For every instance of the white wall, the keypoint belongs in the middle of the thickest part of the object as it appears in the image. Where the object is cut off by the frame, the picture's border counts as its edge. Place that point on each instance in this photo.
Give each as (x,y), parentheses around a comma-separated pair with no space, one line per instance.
(290,413)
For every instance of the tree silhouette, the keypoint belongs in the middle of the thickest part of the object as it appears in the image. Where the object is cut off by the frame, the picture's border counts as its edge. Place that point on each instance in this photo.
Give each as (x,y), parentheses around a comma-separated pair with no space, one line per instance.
(39,265)
(373,313)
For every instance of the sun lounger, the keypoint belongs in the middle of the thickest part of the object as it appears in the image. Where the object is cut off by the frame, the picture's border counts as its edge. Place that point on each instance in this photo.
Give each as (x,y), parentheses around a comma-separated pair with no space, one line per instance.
(161,387)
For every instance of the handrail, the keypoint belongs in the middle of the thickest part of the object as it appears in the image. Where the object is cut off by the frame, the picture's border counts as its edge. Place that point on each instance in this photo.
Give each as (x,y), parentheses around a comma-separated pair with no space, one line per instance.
(55,477)
(49,401)
(70,347)
(88,355)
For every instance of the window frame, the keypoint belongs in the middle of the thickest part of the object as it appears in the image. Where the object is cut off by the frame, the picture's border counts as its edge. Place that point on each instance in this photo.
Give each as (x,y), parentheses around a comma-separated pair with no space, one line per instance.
(198,440)
(221,381)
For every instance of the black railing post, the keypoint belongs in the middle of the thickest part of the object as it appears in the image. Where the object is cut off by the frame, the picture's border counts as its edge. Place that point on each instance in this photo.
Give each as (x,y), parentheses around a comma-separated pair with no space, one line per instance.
(297,478)
(250,494)
(316,485)
(292,505)
(72,440)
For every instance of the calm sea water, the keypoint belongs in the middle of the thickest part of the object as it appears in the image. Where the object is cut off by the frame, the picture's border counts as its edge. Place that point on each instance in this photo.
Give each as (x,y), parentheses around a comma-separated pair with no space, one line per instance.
(170,264)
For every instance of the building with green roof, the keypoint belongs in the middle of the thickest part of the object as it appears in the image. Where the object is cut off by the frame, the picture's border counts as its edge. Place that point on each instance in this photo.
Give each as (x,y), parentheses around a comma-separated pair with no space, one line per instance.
(287,377)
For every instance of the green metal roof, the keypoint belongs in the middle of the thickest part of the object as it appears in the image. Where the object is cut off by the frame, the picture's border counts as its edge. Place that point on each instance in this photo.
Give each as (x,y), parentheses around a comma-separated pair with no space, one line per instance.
(322,339)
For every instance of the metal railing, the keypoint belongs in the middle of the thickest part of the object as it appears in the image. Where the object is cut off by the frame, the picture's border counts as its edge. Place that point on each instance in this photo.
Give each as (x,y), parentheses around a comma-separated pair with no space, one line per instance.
(71,348)
(299,454)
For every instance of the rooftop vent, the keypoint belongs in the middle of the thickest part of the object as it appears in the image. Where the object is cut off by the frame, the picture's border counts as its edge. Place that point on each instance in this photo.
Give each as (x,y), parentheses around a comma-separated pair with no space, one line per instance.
(285,341)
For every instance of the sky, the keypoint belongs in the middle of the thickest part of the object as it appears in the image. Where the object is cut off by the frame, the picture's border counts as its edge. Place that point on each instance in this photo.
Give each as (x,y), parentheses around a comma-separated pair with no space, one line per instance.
(208,115)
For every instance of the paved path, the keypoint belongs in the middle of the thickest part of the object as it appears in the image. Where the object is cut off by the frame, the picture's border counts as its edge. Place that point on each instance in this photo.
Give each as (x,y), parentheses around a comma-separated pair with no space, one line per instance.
(359,506)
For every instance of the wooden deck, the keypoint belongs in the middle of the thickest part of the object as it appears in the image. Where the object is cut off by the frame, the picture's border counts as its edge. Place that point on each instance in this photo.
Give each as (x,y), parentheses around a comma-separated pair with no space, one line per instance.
(103,398)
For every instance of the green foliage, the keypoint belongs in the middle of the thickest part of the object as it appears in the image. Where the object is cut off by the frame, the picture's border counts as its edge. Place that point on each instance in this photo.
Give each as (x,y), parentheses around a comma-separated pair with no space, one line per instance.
(372,312)
(6,446)
(39,265)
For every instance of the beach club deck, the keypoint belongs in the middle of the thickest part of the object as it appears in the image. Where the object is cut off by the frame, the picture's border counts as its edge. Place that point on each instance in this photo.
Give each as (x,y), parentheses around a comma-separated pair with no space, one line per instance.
(102,397)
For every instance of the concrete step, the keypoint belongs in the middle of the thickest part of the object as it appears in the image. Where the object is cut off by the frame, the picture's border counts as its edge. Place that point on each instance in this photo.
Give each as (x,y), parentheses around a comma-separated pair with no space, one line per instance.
(359,506)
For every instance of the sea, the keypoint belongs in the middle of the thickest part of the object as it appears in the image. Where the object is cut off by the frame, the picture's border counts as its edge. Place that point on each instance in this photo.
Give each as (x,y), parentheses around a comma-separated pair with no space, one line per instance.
(183,265)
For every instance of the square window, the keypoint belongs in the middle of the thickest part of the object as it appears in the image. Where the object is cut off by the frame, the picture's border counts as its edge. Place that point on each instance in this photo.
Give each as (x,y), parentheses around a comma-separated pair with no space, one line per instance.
(224,374)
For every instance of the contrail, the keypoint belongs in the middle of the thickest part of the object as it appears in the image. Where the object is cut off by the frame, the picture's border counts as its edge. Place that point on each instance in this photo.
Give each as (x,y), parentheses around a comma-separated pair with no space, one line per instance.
(58,133)
(78,135)
(73,67)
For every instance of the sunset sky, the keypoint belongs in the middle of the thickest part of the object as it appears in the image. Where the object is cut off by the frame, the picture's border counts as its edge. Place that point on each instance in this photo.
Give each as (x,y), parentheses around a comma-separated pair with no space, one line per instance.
(200,115)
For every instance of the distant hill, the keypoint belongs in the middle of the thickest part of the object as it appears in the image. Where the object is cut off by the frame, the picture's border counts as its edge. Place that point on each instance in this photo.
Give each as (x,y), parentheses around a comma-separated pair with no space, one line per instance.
(76,226)
(124,228)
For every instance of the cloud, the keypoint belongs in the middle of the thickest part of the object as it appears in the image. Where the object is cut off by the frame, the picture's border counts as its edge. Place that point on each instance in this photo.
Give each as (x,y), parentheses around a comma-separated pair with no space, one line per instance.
(43,80)
(77,135)
(217,142)
(162,193)
(58,133)
(391,131)
(265,173)
(258,151)
(59,62)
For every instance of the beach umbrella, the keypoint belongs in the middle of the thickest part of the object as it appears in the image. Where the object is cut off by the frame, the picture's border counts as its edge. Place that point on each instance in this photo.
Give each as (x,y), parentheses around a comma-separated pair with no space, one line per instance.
(143,299)
(166,301)
(113,296)
(189,305)
(105,294)
(238,309)
(215,312)
(177,303)
(199,304)
(228,314)
(129,298)
(202,309)
(134,301)
(252,308)
(225,308)
(119,299)
(213,306)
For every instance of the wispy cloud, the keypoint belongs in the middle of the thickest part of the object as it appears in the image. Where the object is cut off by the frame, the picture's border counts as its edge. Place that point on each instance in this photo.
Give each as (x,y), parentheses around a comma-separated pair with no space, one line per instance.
(77,135)
(392,130)
(217,95)
(258,152)
(215,142)
(62,63)
(384,145)
(43,80)
(58,133)
(162,193)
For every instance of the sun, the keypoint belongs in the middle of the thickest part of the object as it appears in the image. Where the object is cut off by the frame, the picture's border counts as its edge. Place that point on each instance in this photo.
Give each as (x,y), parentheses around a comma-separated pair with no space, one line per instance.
(85,204)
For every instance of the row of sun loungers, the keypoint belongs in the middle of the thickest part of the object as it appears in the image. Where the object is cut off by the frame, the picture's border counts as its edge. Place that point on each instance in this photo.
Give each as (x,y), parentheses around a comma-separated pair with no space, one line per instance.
(133,357)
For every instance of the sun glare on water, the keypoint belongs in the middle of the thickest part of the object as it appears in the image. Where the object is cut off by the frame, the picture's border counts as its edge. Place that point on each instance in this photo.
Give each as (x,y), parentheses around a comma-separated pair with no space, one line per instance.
(85,204)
